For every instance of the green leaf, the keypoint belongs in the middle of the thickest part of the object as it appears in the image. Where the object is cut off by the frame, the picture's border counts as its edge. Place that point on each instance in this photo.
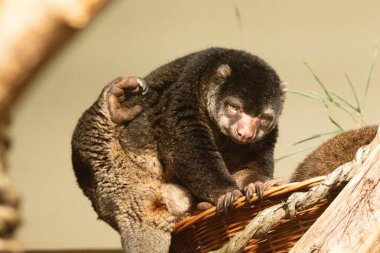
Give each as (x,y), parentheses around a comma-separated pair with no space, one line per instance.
(305,94)
(369,77)
(238,16)
(344,105)
(353,114)
(319,82)
(354,92)
(315,136)
(335,122)
(294,153)
(348,104)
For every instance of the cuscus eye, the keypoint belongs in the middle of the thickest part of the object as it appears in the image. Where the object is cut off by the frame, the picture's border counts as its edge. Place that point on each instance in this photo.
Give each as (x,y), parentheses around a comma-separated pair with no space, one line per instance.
(266,120)
(266,117)
(233,108)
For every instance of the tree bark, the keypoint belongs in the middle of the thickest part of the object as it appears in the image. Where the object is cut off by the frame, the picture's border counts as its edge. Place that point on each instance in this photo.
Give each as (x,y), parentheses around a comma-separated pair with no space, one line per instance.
(352,222)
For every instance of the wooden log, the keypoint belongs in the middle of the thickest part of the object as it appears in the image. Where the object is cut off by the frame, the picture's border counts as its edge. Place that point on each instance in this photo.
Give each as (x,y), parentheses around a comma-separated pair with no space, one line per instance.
(352,222)
(365,157)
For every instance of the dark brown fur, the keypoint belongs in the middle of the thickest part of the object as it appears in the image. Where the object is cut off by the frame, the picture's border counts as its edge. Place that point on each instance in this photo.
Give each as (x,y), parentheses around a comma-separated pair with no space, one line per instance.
(143,171)
(333,153)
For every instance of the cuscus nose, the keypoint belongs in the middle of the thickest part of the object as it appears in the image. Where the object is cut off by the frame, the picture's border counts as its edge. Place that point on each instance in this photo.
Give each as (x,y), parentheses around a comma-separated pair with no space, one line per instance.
(244,134)
(247,128)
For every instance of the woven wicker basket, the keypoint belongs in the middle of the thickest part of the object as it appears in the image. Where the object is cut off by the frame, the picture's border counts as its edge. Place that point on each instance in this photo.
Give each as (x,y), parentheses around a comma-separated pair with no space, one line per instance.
(207,231)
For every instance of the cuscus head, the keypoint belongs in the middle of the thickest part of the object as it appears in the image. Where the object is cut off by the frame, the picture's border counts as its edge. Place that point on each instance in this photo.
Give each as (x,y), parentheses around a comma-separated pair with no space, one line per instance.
(245,97)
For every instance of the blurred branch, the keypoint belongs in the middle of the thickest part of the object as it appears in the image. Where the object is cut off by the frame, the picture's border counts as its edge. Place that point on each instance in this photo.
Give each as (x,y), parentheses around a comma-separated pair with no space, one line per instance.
(31,32)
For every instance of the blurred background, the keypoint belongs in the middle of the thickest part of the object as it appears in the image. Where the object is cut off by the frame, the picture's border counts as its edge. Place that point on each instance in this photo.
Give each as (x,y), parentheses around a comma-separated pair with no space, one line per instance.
(136,36)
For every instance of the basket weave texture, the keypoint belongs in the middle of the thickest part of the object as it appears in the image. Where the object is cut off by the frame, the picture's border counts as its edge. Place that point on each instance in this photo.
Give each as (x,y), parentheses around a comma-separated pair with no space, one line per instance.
(208,231)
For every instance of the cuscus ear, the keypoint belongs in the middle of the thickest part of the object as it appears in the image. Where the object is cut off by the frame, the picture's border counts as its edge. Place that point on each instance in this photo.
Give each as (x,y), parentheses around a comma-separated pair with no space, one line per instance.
(223,71)
(283,89)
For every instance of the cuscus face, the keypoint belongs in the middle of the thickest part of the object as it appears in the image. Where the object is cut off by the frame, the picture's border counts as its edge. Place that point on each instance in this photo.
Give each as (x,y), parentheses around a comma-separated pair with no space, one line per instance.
(246,104)
(244,126)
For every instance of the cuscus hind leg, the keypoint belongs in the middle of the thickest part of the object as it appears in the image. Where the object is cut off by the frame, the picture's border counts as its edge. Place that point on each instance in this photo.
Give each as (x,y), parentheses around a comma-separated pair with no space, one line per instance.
(155,212)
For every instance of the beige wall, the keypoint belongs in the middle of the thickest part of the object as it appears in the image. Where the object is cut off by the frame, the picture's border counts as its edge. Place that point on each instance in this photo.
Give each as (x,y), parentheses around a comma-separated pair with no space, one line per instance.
(132,38)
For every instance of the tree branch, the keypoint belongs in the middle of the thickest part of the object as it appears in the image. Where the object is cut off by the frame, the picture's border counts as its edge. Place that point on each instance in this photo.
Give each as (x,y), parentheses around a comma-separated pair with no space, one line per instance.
(367,158)
(352,221)
(30,33)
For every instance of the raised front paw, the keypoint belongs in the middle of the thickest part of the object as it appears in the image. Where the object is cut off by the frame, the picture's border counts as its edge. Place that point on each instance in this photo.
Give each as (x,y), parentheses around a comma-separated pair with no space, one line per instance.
(226,201)
(117,94)
(258,187)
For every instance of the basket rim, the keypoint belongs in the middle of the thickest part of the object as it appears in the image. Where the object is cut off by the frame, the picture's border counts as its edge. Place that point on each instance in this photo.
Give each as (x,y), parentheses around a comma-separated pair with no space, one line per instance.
(271,192)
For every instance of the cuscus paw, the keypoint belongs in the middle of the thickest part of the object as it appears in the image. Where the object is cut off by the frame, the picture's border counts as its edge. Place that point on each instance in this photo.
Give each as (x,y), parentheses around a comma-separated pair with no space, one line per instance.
(117,95)
(226,201)
(259,187)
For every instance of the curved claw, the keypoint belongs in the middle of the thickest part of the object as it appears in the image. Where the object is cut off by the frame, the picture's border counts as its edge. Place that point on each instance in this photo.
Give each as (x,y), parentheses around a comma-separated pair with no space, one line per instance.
(259,192)
(258,187)
(226,202)
(218,207)
(232,200)
(225,205)
(248,196)
(144,86)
